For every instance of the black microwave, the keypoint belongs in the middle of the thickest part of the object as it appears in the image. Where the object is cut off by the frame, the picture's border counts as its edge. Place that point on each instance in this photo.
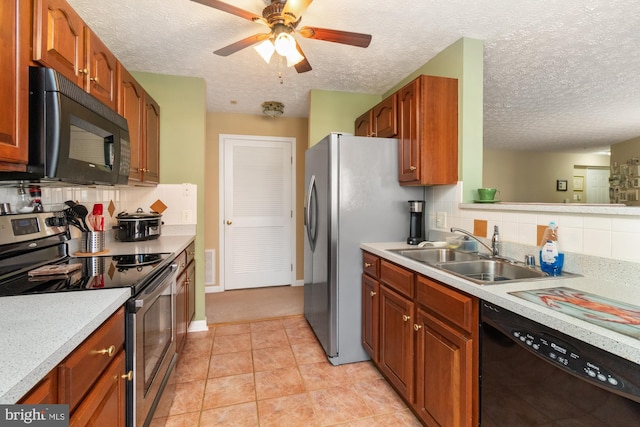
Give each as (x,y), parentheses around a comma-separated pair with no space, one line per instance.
(73,137)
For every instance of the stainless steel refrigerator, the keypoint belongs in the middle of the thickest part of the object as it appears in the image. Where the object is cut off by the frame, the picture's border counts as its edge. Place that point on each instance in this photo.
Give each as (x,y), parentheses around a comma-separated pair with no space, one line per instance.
(352,196)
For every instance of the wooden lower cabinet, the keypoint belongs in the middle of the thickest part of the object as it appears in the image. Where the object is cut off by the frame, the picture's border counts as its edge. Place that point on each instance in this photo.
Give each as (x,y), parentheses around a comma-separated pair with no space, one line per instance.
(426,343)
(46,391)
(185,294)
(370,315)
(105,403)
(443,373)
(397,341)
(181,310)
(91,380)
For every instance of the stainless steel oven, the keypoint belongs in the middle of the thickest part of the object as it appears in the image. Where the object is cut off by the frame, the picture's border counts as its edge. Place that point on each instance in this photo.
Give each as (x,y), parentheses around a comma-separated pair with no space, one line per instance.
(151,334)
(29,241)
(532,375)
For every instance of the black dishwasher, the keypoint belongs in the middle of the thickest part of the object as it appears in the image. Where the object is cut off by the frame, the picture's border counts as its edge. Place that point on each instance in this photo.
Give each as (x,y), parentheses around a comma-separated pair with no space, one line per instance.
(532,375)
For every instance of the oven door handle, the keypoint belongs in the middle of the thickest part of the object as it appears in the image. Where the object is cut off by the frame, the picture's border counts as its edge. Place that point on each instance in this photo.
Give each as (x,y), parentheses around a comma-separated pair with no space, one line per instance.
(149,293)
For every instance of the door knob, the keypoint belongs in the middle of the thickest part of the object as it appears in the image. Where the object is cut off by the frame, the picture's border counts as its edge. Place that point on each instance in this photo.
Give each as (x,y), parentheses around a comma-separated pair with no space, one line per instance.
(405,317)
(229,222)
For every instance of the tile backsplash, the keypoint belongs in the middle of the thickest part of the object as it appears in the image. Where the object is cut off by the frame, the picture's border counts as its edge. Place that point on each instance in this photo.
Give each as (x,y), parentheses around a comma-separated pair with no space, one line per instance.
(180,200)
(599,243)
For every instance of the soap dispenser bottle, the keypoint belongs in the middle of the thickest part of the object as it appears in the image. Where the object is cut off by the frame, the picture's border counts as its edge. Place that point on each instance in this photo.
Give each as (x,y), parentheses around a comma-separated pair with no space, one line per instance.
(551,257)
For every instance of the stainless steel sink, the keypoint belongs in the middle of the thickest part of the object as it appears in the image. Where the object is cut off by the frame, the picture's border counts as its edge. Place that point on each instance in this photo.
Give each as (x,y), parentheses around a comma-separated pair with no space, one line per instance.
(488,271)
(433,256)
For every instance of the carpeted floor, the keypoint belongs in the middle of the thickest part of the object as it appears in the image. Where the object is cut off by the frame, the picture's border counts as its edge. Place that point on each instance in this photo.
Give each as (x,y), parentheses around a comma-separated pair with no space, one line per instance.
(254,304)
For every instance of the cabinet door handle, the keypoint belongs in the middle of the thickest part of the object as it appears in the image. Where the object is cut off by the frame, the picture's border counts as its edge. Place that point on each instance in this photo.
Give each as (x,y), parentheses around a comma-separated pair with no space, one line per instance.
(95,80)
(405,317)
(367,265)
(416,327)
(412,168)
(229,222)
(372,293)
(83,71)
(128,376)
(107,351)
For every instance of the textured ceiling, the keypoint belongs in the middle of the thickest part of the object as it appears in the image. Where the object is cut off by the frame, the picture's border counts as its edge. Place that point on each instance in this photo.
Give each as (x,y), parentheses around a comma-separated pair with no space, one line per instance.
(558,74)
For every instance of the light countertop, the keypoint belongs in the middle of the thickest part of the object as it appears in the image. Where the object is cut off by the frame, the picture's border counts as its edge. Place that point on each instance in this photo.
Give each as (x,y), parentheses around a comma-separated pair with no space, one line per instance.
(38,331)
(622,345)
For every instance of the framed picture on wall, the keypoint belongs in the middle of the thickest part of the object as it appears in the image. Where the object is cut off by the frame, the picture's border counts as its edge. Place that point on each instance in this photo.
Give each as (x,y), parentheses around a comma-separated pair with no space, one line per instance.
(561,185)
(578,183)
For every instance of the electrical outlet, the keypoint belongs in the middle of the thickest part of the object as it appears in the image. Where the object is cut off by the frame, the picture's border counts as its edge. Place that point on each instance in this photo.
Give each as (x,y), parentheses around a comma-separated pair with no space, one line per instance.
(186,216)
(441,220)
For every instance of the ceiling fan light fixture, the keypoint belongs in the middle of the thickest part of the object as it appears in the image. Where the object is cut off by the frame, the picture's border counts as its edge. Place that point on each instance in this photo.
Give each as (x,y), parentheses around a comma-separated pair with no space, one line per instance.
(273,108)
(265,50)
(285,44)
(294,58)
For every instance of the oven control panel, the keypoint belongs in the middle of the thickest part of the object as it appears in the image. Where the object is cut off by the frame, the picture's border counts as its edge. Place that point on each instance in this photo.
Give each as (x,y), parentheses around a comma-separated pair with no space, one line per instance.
(23,227)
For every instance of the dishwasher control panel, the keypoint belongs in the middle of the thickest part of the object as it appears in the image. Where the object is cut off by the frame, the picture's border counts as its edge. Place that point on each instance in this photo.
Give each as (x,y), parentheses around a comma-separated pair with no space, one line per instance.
(561,353)
(570,354)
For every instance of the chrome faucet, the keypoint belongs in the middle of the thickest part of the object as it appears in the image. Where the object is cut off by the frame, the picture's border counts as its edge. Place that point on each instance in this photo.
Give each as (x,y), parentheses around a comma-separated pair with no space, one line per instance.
(494,250)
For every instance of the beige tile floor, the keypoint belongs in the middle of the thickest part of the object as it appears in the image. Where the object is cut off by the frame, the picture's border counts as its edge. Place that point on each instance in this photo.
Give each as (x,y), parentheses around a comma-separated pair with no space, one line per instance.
(274,373)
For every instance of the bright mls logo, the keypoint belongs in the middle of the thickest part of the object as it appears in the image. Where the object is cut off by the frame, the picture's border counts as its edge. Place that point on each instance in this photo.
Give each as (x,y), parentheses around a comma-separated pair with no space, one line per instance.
(34,415)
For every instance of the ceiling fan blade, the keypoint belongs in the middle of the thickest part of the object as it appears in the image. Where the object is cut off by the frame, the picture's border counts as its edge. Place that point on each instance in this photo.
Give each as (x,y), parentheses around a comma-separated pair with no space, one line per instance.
(295,8)
(302,66)
(241,44)
(344,37)
(230,9)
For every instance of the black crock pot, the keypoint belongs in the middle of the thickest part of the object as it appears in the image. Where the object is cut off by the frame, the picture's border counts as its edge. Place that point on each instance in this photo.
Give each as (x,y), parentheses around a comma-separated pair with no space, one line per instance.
(138,226)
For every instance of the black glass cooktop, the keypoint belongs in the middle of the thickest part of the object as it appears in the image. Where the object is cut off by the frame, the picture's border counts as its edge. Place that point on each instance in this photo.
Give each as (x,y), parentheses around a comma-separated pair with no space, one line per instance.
(101,272)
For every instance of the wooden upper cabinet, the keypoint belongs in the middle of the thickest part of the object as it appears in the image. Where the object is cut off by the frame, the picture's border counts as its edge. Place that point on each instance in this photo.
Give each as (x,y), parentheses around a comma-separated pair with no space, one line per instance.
(100,65)
(380,121)
(131,107)
(363,124)
(143,118)
(58,39)
(385,117)
(408,144)
(14,85)
(62,41)
(151,172)
(428,131)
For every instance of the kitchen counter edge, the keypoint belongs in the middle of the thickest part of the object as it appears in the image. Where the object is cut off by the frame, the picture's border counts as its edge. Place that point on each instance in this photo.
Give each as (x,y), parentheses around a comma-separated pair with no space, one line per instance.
(622,345)
(39,331)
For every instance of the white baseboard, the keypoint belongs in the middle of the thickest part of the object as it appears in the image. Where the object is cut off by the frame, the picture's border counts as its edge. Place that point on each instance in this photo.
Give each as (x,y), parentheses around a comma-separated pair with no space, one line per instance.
(298,283)
(209,289)
(198,326)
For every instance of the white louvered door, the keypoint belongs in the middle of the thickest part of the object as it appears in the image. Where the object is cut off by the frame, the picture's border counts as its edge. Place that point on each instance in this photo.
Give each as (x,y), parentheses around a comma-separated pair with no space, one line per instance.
(258,216)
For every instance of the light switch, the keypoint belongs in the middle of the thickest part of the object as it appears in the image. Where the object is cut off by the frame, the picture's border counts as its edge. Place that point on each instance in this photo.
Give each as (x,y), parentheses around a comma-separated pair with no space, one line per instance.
(441,220)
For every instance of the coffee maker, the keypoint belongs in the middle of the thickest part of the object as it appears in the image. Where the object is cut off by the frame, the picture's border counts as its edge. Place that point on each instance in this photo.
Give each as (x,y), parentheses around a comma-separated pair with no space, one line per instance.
(415,222)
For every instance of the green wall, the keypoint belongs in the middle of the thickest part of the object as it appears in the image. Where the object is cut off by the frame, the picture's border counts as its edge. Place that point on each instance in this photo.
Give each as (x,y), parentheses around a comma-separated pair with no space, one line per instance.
(182,144)
(335,111)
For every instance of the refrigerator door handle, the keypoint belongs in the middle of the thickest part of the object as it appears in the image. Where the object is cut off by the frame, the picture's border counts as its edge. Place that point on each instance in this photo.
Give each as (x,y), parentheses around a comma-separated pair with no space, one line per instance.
(311,213)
